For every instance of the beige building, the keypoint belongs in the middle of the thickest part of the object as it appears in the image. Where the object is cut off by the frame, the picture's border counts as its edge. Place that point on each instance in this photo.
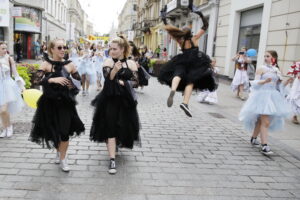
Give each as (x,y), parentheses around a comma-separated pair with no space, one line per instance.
(261,25)
(127,18)
(75,20)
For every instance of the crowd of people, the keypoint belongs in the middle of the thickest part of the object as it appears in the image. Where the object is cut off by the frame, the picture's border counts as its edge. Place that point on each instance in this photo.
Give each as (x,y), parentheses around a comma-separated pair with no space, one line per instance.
(119,70)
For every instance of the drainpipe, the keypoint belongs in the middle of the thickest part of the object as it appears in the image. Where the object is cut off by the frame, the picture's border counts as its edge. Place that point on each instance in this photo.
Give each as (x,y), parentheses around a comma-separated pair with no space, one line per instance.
(217,5)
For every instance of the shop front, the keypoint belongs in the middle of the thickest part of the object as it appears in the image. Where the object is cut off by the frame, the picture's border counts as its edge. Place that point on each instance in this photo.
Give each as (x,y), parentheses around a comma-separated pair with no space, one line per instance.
(27,29)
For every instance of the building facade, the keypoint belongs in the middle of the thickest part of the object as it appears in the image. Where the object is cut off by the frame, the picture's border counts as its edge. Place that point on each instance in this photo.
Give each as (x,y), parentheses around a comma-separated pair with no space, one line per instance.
(127,18)
(261,25)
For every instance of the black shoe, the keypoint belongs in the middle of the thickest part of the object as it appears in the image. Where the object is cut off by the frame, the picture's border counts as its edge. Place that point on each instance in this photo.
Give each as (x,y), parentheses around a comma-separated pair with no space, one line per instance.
(170,99)
(254,141)
(112,167)
(266,150)
(186,109)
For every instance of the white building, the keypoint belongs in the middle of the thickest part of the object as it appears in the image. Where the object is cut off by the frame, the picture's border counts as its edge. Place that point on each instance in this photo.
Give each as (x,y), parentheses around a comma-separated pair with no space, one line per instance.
(259,24)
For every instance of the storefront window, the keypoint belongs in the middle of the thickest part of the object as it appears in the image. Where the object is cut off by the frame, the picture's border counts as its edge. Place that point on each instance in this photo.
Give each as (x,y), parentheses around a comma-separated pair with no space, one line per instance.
(250,27)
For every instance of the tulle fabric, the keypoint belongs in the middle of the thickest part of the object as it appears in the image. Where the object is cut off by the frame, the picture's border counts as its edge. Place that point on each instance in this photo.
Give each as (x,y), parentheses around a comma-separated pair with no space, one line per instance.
(294,97)
(208,97)
(10,95)
(192,66)
(265,101)
(240,78)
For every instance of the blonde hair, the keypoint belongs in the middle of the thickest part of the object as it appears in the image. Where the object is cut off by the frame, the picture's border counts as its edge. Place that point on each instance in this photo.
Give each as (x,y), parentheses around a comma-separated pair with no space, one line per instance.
(51,45)
(3,42)
(123,43)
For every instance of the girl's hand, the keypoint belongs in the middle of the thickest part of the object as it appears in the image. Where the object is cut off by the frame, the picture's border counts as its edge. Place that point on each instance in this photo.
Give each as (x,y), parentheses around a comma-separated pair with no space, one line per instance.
(60,80)
(118,66)
(121,82)
(268,80)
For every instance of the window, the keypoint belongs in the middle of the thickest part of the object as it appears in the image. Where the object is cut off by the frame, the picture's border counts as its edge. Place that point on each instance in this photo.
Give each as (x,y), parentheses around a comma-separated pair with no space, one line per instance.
(1,34)
(250,28)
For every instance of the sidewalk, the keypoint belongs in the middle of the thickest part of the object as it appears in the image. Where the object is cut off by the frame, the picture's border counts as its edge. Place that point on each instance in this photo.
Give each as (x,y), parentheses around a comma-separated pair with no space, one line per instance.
(206,157)
(230,106)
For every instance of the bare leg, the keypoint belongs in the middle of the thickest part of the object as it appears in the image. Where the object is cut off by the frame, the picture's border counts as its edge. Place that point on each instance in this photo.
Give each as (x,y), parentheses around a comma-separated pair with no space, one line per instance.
(265,124)
(87,82)
(174,86)
(257,128)
(187,93)
(5,116)
(111,147)
(63,147)
(83,79)
(175,82)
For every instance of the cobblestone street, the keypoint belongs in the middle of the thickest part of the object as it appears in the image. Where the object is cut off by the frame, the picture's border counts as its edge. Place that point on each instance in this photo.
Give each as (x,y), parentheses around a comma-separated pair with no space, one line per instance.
(204,157)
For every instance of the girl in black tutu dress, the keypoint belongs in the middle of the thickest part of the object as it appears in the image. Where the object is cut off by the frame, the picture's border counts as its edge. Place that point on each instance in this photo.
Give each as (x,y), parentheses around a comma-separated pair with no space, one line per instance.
(56,117)
(142,73)
(189,70)
(116,120)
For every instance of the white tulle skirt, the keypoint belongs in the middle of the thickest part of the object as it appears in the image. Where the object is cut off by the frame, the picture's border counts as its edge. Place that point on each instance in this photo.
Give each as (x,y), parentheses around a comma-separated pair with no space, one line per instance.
(10,95)
(294,97)
(240,78)
(207,97)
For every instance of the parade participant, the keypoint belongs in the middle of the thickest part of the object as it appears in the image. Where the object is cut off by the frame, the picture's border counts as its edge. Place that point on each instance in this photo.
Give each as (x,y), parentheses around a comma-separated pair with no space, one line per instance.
(73,55)
(266,107)
(56,118)
(98,62)
(189,70)
(86,69)
(206,96)
(10,91)
(142,73)
(116,120)
(294,96)
(240,82)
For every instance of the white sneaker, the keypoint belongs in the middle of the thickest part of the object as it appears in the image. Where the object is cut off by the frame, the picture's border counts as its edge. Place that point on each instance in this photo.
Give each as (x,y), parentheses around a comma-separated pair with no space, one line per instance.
(10,131)
(57,159)
(3,133)
(64,165)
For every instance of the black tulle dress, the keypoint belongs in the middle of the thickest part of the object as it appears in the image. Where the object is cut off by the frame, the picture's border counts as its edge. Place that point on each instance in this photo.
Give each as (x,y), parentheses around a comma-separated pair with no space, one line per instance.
(116,113)
(56,118)
(192,66)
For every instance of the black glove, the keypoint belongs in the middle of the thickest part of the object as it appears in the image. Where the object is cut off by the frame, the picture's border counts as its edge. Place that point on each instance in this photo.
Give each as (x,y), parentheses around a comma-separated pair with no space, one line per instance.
(163,14)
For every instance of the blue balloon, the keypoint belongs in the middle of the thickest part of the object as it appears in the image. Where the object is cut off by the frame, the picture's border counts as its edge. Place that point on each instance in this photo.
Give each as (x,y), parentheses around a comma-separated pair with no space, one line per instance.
(251,52)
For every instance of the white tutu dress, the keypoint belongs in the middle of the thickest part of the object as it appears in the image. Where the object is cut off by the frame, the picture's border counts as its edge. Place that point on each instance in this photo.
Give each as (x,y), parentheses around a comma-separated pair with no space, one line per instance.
(10,90)
(87,67)
(98,65)
(206,96)
(266,99)
(294,95)
(240,76)
(74,57)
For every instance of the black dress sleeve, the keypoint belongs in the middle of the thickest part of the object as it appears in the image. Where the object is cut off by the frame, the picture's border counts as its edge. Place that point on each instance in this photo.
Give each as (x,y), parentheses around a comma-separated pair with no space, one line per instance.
(40,78)
(76,76)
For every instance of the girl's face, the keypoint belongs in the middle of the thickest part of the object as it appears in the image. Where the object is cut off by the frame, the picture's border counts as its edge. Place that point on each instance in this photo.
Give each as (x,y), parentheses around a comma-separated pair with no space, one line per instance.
(116,51)
(59,49)
(3,49)
(268,58)
(213,63)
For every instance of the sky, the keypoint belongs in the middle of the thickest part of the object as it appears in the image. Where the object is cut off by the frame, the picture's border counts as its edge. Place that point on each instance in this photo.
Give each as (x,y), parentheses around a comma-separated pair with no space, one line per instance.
(103,13)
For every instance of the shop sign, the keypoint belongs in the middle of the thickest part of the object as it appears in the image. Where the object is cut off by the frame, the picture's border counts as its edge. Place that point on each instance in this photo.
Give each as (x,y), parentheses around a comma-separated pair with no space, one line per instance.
(29,21)
(4,13)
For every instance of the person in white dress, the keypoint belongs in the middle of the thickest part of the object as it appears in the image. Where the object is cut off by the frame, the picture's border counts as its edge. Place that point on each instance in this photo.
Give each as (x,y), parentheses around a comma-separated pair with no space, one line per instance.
(206,96)
(294,96)
(11,101)
(240,82)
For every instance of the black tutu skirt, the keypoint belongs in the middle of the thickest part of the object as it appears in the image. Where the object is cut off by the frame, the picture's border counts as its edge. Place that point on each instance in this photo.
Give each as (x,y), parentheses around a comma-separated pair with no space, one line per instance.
(56,118)
(115,115)
(192,66)
(143,77)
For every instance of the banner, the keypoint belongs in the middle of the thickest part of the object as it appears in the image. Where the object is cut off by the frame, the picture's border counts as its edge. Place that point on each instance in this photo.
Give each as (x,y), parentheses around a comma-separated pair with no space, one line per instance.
(4,13)
(30,21)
